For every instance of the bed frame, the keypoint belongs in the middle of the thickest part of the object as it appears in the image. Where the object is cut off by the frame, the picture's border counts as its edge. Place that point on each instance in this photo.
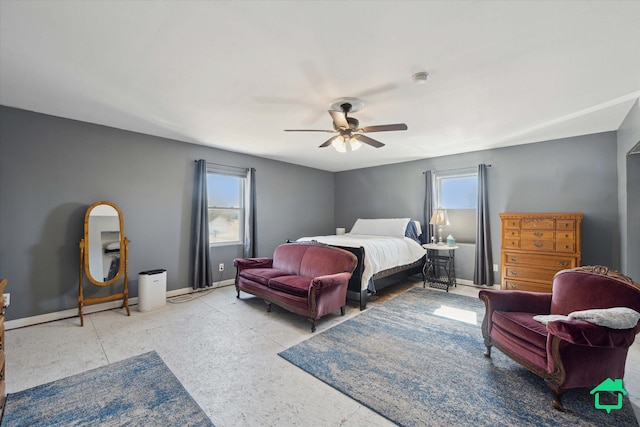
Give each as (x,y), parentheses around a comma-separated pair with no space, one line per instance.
(355,291)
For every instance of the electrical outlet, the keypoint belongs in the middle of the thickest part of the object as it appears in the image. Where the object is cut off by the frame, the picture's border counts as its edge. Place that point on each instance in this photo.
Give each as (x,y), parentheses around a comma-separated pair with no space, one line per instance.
(7,299)
(221,266)
(495,267)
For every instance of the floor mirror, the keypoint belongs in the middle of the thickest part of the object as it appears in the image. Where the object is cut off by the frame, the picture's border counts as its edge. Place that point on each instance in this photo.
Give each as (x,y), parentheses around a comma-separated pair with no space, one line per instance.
(103,256)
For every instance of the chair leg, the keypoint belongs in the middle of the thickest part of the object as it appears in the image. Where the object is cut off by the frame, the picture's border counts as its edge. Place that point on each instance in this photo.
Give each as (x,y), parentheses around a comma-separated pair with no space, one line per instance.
(487,352)
(268,307)
(313,325)
(557,396)
(342,311)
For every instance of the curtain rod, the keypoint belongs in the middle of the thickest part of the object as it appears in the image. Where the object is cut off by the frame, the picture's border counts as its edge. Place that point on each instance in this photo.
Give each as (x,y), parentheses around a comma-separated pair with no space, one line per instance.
(456,169)
(225,166)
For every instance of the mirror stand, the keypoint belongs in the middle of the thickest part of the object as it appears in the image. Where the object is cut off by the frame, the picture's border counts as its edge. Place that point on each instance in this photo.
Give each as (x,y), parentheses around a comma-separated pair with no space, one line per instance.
(103,255)
(124,295)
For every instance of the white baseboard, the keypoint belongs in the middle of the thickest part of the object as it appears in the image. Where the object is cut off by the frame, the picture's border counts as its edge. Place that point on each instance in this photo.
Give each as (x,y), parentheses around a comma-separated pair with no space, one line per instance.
(94,308)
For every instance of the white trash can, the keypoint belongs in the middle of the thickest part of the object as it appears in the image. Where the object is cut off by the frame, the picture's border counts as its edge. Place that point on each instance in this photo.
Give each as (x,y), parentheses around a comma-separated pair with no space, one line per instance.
(152,289)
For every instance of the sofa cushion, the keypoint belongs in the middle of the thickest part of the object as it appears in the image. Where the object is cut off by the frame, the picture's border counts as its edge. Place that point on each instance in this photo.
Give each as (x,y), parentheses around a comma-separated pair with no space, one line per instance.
(295,285)
(288,257)
(523,326)
(262,275)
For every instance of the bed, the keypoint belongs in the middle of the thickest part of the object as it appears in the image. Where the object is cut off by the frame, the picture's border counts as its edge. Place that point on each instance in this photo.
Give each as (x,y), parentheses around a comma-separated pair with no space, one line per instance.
(385,248)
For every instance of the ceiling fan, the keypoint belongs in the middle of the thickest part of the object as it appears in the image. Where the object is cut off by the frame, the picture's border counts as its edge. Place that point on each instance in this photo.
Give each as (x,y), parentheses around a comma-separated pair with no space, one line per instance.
(350,134)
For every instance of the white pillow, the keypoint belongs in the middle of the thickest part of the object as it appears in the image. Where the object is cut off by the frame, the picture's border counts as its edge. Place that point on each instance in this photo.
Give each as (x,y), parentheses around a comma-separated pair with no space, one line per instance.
(615,318)
(546,318)
(112,246)
(393,227)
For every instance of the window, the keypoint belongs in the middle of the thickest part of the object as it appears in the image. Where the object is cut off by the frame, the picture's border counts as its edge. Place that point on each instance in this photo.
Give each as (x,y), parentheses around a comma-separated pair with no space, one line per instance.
(457,192)
(226,207)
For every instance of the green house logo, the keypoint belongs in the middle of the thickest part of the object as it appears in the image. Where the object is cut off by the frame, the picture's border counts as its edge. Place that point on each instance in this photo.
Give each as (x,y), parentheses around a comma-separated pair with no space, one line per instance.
(610,386)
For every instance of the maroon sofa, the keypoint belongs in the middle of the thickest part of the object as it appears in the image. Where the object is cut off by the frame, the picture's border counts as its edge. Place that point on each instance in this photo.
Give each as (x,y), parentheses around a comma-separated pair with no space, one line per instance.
(309,279)
(565,353)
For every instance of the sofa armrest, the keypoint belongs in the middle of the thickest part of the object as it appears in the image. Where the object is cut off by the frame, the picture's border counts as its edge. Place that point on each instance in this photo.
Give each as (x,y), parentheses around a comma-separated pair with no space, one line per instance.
(244,263)
(330,280)
(505,300)
(523,301)
(580,332)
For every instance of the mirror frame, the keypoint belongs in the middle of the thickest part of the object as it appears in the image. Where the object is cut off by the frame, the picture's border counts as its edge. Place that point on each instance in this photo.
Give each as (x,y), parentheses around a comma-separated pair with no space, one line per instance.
(86,249)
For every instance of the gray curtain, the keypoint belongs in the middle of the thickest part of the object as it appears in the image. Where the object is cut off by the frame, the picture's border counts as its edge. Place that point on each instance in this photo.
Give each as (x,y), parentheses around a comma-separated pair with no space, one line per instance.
(427,232)
(483,270)
(202,272)
(250,216)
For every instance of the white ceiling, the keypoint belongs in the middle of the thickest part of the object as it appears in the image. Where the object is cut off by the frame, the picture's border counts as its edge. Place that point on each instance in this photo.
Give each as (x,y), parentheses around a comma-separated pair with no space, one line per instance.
(233,75)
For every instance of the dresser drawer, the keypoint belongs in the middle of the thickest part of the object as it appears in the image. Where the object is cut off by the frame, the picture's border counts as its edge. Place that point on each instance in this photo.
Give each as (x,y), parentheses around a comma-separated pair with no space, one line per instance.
(566,224)
(511,233)
(538,245)
(517,272)
(539,223)
(511,243)
(538,234)
(566,236)
(512,223)
(544,261)
(566,247)
(514,285)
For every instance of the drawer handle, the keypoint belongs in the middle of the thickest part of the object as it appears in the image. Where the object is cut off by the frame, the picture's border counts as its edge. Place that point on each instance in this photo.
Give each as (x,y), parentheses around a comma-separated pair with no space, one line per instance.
(538,245)
(566,236)
(563,263)
(513,286)
(513,273)
(537,234)
(514,259)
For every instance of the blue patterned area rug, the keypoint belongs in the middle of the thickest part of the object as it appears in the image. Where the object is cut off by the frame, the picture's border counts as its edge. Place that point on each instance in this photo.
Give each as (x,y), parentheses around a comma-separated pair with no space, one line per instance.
(409,361)
(140,391)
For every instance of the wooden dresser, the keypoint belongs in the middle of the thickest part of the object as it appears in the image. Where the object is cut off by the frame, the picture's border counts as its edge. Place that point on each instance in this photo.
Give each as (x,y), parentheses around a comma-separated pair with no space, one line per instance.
(3,284)
(537,245)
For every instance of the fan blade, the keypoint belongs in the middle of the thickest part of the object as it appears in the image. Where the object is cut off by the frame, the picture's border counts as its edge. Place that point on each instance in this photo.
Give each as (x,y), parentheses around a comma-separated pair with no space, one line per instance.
(309,130)
(383,128)
(372,142)
(327,142)
(340,119)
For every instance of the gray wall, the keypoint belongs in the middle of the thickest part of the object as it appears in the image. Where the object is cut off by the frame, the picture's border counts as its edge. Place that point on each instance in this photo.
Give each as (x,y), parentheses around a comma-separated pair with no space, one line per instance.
(629,192)
(52,169)
(567,175)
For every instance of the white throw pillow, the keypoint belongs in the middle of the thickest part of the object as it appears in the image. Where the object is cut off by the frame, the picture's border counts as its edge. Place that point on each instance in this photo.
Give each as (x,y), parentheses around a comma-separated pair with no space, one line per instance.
(546,318)
(393,227)
(615,318)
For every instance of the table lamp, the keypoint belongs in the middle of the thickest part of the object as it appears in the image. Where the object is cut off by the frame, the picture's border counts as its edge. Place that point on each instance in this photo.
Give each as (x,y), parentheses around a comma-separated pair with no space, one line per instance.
(439,218)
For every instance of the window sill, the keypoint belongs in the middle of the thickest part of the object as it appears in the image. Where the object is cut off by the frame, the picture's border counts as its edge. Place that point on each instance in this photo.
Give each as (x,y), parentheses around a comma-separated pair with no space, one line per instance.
(213,245)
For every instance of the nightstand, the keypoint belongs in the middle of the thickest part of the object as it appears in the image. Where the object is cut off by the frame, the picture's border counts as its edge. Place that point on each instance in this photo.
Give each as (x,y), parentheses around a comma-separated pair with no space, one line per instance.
(439,266)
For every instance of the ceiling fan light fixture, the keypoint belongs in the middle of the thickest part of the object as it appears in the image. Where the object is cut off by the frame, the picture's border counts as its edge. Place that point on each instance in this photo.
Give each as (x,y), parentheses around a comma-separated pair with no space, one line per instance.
(355,144)
(339,145)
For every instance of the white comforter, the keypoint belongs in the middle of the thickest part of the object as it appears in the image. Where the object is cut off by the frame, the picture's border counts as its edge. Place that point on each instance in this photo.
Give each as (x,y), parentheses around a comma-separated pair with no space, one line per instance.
(381,252)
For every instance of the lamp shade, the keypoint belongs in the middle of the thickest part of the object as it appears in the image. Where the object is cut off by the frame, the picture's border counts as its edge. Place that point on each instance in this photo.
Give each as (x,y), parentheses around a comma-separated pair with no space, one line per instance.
(439,217)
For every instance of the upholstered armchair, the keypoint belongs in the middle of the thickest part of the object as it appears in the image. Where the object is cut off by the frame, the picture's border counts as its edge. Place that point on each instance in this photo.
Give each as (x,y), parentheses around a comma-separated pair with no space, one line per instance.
(569,352)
